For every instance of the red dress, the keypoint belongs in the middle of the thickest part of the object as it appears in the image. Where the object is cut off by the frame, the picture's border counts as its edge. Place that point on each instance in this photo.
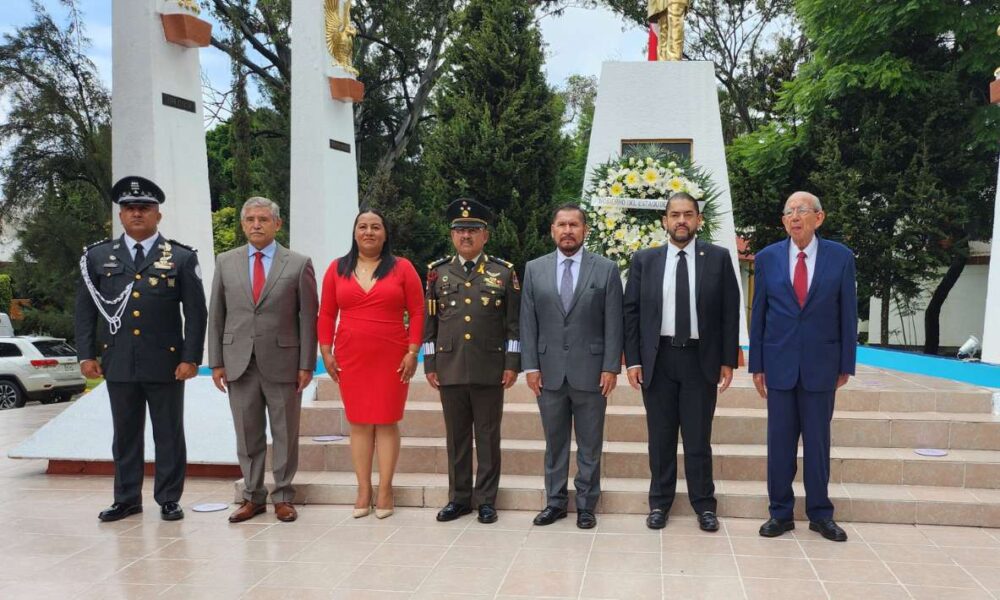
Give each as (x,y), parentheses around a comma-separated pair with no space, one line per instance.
(371,339)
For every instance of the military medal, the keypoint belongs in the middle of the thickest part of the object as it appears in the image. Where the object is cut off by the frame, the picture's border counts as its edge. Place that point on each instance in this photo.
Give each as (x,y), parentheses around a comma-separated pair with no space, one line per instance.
(153,281)
(493,274)
(164,262)
(171,282)
(485,300)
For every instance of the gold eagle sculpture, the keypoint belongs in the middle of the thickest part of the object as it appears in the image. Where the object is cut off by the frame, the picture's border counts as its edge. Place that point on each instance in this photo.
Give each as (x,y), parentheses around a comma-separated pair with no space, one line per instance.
(340,34)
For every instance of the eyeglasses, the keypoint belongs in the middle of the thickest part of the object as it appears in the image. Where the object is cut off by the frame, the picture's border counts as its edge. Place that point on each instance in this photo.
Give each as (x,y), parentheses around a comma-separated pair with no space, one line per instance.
(801,211)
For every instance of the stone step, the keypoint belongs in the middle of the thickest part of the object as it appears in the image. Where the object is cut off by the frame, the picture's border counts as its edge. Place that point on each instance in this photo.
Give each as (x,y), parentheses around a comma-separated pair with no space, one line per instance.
(737,462)
(856,396)
(743,499)
(967,431)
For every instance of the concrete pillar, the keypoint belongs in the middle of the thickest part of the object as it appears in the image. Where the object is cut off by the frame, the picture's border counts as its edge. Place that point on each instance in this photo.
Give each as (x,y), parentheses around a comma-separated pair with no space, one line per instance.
(324,173)
(156,110)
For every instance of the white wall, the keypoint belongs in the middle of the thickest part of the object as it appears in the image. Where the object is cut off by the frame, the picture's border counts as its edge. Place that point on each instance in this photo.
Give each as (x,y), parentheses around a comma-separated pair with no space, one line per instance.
(961,315)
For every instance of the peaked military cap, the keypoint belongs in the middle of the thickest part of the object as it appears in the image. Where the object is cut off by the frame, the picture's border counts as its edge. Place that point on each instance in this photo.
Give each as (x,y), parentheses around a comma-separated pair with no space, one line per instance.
(466,212)
(136,190)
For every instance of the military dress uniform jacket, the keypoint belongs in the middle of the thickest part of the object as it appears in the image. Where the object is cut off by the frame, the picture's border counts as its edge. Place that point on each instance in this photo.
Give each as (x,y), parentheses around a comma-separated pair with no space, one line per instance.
(152,339)
(471,326)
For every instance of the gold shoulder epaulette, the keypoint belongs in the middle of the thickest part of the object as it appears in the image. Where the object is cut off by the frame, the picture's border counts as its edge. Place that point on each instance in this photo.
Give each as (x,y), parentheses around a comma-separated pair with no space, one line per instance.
(501,261)
(438,262)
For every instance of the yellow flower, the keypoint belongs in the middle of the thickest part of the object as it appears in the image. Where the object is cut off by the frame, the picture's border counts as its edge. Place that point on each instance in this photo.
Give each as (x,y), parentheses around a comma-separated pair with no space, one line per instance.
(632,179)
(617,189)
(609,222)
(675,184)
(650,176)
(620,234)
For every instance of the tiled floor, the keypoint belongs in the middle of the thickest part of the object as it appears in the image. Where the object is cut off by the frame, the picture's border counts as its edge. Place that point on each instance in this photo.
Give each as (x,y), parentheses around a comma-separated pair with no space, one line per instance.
(52,546)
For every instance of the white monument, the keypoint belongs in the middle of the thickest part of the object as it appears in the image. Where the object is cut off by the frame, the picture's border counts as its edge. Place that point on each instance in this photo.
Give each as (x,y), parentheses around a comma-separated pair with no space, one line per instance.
(324,174)
(991,327)
(666,102)
(156,108)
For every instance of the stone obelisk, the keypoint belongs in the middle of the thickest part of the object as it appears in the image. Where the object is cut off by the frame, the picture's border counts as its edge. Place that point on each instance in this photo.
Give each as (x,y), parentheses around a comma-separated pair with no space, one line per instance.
(156,109)
(324,173)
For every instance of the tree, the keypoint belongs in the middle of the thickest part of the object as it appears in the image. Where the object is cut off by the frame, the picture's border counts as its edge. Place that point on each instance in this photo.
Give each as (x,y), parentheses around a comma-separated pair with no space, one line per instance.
(58,127)
(578,97)
(889,123)
(497,137)
(57,171)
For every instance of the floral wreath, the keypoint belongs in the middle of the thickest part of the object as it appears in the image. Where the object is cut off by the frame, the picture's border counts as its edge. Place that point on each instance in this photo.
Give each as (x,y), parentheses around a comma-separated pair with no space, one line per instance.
(627,197)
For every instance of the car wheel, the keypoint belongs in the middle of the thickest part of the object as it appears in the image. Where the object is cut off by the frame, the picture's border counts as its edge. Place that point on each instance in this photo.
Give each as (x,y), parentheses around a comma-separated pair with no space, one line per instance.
(64,397)
(10,395)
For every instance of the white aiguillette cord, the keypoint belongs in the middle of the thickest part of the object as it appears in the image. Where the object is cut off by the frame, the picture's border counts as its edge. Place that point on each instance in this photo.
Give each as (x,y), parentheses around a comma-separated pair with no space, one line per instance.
(114,321)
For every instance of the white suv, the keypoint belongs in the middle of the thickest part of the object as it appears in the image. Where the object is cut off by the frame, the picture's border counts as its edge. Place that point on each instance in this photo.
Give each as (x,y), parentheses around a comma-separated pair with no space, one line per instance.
(38,368)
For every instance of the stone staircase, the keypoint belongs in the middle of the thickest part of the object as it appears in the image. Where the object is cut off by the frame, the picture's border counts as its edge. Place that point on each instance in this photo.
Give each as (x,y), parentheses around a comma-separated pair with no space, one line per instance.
(876,476)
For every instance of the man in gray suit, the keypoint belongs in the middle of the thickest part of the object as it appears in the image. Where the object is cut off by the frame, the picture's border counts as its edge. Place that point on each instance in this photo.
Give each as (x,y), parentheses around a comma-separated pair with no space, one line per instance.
(571,348)
(262,343)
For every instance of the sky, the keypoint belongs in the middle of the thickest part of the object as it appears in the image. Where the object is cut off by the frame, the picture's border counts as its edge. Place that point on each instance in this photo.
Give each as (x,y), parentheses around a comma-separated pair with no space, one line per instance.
(577,42)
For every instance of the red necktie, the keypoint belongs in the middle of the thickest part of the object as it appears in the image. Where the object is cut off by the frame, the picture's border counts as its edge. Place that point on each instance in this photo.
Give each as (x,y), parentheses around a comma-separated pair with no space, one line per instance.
(801,280)
(258,276)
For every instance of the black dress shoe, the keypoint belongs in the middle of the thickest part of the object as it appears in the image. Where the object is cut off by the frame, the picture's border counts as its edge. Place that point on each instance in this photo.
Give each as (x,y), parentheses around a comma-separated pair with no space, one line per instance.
(829,529)
(487,514)
(585,519)
(452,511)
(171,511)
(775,527)
(707,521)
(657,519)
(549,515)
(118,511)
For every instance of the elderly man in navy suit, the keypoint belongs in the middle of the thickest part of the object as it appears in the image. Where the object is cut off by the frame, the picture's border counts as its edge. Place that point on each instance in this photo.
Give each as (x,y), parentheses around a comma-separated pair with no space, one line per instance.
(803,340)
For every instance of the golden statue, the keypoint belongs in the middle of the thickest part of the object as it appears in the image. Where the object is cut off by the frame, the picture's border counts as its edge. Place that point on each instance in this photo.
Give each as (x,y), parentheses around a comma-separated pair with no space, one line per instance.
(340,34)
(669,17)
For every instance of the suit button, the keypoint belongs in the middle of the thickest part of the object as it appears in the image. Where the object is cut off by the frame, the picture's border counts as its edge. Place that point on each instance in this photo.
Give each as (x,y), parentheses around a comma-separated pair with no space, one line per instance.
(135,294)
(565,347)
(136,313)
(172,349)
(136,332)
(138,277)
(467,318)
(468,336)
(468,284)
(468,300)
(105,346)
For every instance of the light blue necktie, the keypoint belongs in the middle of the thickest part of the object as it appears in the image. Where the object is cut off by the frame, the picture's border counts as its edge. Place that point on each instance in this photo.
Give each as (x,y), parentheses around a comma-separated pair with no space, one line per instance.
(566,285)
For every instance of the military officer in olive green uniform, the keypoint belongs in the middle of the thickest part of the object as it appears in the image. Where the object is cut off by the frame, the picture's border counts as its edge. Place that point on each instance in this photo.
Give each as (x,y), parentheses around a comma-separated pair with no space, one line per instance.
(132,293)
(472,353)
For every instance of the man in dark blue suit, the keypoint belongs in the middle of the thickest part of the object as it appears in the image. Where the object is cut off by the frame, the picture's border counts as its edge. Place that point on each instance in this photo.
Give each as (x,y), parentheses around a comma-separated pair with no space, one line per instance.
(803,338)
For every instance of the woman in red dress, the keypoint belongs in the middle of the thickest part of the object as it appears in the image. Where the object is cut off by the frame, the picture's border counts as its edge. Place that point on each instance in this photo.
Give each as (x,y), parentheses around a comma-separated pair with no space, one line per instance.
(371,352)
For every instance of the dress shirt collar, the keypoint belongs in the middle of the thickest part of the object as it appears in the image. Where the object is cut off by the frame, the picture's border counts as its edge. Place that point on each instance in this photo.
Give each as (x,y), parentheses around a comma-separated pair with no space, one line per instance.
(147,244)
(267,250)
(673,250)
(576,258)
(793,250)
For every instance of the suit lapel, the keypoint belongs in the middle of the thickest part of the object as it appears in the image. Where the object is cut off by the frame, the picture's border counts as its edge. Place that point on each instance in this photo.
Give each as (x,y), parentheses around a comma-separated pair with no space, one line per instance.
(699,272)
(657,274)
(243,262)
(551,266)
(586,271)
(822,263)
(277,266)
(786,272)
(154,255)
(120,250)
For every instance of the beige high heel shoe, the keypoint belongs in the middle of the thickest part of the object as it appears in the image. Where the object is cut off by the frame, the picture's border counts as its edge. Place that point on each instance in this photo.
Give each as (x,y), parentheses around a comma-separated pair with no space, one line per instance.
(384,513)
(366,510)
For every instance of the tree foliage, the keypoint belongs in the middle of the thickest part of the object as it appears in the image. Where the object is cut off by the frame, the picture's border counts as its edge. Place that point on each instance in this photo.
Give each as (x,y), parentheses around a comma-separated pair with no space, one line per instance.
(497,137)
(890,125)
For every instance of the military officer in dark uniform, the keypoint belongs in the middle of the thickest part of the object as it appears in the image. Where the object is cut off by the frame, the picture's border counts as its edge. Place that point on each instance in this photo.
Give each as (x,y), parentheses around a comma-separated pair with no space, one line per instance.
(129,304)
(472,353)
